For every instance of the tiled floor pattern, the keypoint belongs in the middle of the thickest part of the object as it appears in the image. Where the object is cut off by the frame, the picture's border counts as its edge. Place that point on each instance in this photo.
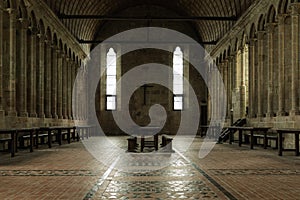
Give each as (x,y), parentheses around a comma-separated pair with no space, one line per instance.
(228,172)
(179,181)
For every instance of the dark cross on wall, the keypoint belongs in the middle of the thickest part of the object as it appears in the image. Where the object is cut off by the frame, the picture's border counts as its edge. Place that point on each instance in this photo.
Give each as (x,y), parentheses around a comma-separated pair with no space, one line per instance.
(145,91)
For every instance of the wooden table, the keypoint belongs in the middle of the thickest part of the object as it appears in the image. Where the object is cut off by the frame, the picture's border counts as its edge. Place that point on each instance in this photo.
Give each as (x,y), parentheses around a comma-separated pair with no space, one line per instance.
(31,131)
(233,129)
(280,133)
(59,130)
(84,131)
(13,137)
(215,130)
(148,132)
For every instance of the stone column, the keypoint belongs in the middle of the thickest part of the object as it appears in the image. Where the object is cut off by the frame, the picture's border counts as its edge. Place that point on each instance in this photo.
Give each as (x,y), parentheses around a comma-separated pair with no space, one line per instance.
(230,88)
(270,33)
(73,76)
(54,82)
(48,66)
(252,75)
(233,91)
(1,59)
(64,87)
(40,76)
(69,88)
(281,65)
(295,59)
(59,83)
(260,82)
(226,84)
(11,90)
(32,81)
(22,86)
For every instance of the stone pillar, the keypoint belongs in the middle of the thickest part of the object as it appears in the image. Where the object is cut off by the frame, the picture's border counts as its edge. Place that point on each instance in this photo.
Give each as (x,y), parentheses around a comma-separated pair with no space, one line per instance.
(40,76)
(230,85)
(22,84)
(54,82)
(64,87)
(11,90)
(270,27)
(234,86)
(226,83)
(73,69)
(59,84)
(32,80)
(252,75)
(260,82)
(1,59)
(69,88)
(48,66)
(295,58)
(281,65)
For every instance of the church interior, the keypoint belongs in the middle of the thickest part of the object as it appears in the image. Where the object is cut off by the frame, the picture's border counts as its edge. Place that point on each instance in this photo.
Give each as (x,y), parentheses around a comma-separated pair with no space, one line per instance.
(149,99)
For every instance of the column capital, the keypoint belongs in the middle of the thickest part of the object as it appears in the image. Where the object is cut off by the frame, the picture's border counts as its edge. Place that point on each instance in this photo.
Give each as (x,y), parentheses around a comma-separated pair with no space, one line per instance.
(41,36)
(252,42)
(260,35)
(11,11)
(295,8)
(24,23)
(281,18)
(271,27)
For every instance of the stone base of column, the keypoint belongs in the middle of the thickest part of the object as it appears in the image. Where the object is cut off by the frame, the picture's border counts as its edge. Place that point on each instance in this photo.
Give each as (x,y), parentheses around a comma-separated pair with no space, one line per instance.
(55,116)
(41,115)
(270,114)
(33,115)
(70,117)
(294,112)
(60,117)
(12,113)
(2,113)
(48,115)
(66,117)
(260,115)
(281,113)
(23,114)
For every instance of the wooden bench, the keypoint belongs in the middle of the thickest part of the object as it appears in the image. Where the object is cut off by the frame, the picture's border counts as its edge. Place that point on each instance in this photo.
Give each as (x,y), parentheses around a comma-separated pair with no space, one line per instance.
(83,131)
(266,138)
(167,143)
(214,131)
(5,141)
(12,140)
(25,136)
(149,143)
(252,130)
(132,144)
(281,132)
(57,131)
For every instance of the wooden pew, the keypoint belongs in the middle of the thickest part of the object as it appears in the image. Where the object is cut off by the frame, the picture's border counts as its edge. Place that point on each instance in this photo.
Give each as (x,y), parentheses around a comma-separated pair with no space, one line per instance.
(282,132)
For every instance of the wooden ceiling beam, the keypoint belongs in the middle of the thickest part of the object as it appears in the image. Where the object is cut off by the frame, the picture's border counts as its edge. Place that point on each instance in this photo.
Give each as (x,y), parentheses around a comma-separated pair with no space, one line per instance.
(124,18)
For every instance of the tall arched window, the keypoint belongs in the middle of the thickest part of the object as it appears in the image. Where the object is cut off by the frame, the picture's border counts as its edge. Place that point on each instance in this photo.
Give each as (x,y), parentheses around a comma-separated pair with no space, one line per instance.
(111,80)
(178,79)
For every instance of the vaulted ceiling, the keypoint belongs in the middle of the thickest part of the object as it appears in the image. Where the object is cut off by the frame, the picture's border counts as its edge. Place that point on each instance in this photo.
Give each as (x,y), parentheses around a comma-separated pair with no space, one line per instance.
(209,30)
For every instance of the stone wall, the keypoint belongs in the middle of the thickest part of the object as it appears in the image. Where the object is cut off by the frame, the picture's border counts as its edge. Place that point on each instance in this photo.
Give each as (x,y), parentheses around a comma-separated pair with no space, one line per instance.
(39,60)
(270,29)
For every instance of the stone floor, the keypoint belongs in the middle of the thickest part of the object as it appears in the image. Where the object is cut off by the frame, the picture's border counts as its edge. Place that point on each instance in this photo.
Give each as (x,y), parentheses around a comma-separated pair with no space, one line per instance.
(228,172)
